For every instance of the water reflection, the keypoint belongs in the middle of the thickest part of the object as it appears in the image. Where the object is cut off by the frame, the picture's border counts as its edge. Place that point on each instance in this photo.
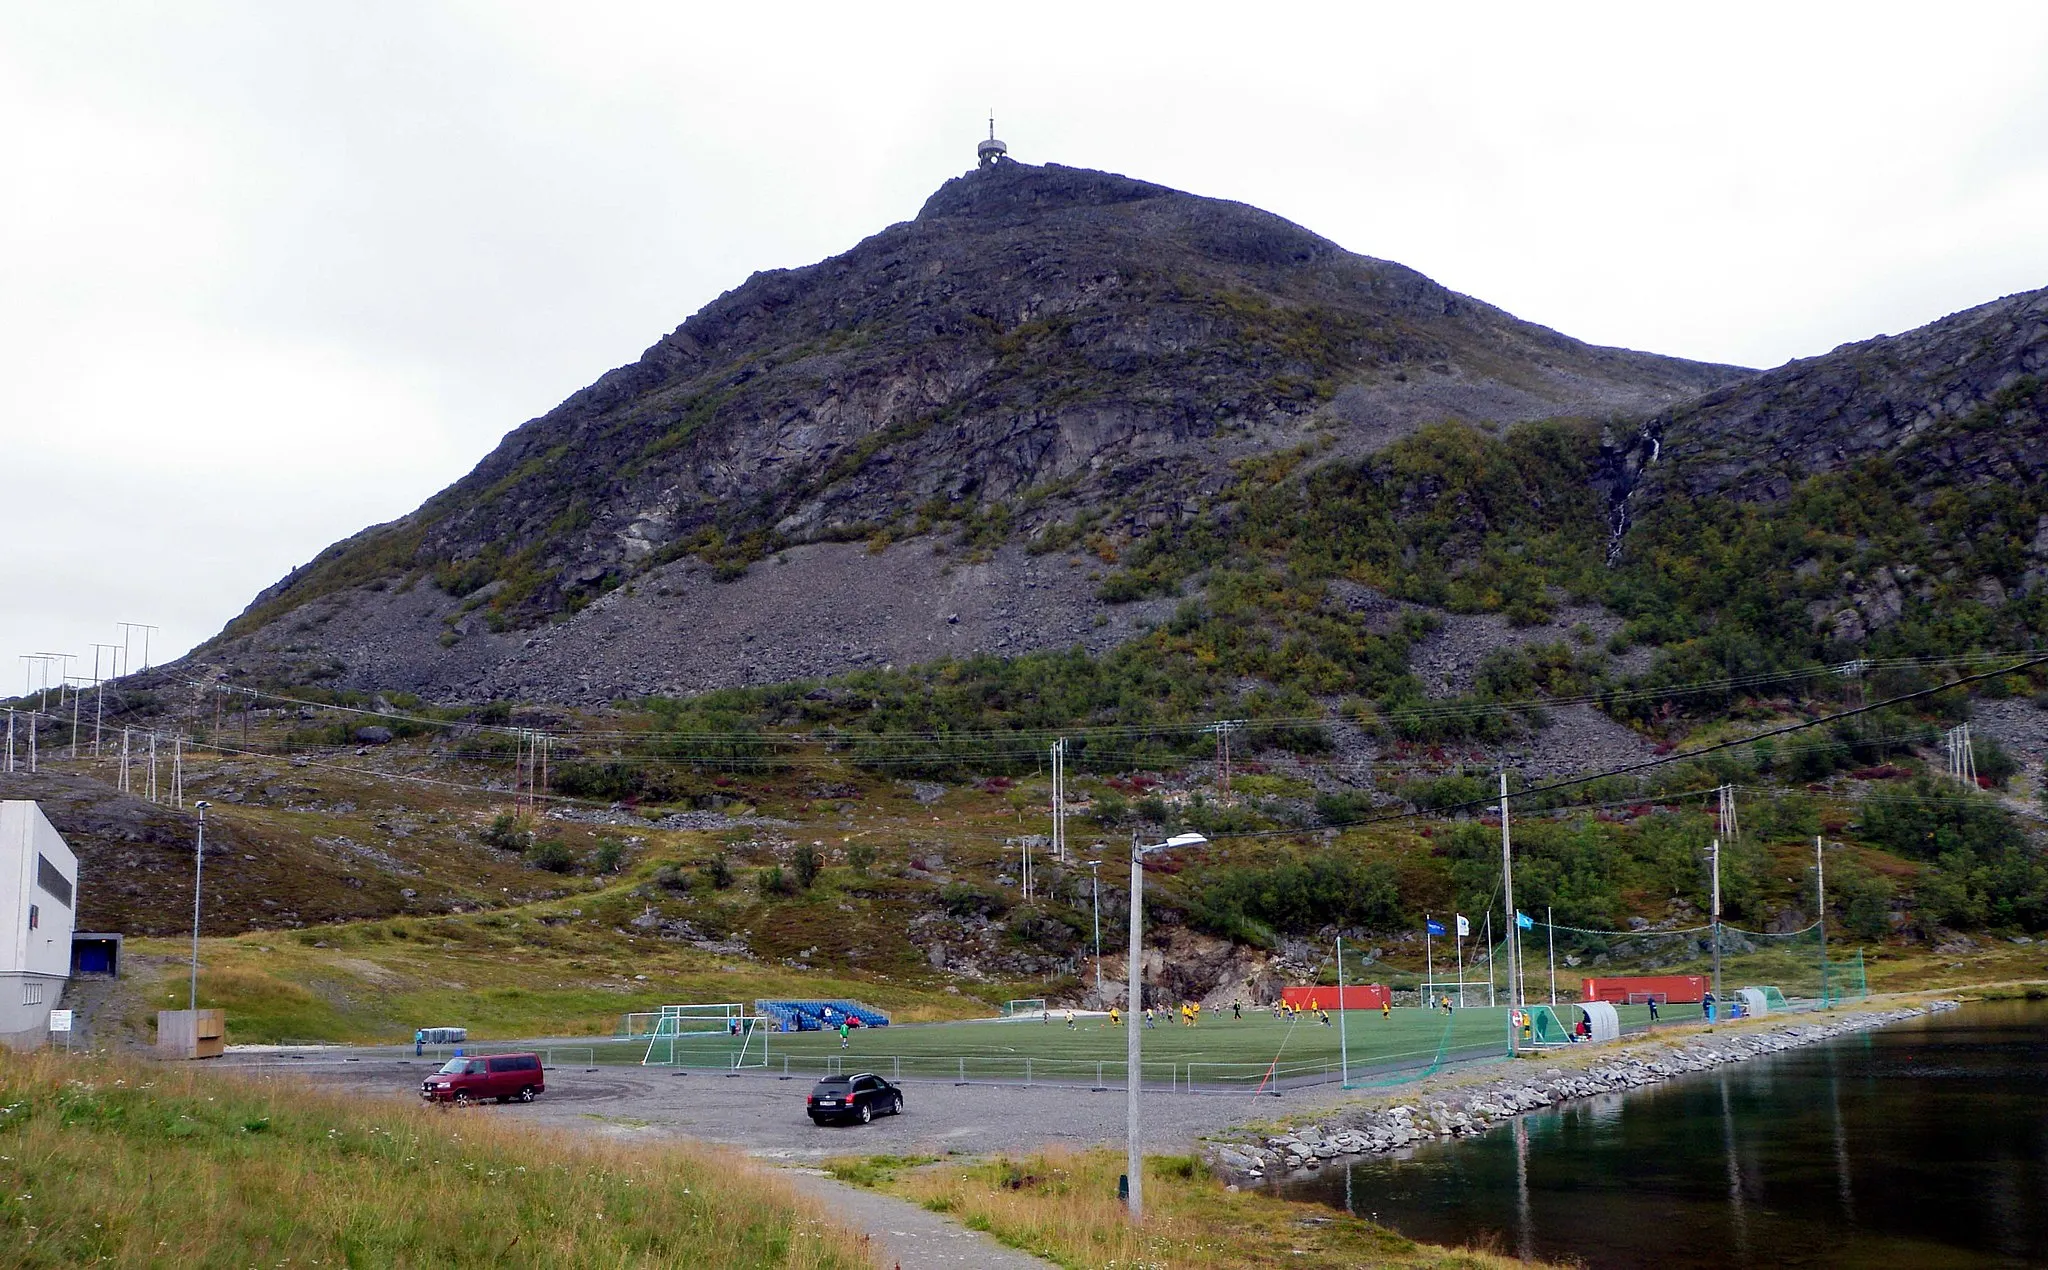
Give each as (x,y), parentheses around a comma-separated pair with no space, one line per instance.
(1924,1144)
(1840,1135)
(1525,1229)
(1738,1225)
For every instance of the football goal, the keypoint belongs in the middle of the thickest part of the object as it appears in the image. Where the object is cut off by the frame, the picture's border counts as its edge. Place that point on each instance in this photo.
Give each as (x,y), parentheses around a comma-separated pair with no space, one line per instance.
(716,1035)
(1024,1006)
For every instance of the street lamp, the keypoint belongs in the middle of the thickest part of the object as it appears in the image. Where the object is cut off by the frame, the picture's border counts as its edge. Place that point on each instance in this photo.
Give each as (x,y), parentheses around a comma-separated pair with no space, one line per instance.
(198,864)
(1133,1152)
(1095,895)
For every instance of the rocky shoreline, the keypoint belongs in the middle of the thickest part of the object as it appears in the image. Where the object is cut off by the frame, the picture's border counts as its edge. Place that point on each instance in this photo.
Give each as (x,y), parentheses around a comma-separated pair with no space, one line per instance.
(1464,1112)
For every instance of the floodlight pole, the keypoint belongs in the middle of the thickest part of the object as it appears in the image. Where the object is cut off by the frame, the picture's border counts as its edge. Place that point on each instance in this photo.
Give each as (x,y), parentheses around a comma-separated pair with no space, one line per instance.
(1507,874)
(1550,929)
(1820,886)
(198,864)
(1134,1155)
(1095,896)
(1343,1044)
(1133,1150)
(1719,1001)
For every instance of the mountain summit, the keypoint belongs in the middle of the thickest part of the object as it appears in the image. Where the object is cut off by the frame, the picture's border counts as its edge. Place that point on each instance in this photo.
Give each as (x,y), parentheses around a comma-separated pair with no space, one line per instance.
(840,465)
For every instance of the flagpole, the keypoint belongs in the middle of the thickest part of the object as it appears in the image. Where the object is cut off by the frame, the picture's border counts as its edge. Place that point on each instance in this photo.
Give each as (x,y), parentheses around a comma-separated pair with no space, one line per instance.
(1428,961)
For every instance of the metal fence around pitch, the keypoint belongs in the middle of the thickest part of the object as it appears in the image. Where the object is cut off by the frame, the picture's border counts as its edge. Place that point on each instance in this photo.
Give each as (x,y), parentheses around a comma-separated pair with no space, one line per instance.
(315,1054)
(1165,1076)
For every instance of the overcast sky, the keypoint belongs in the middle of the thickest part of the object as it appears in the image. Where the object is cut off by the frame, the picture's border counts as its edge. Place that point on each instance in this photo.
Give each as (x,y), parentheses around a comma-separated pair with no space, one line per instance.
(270,273)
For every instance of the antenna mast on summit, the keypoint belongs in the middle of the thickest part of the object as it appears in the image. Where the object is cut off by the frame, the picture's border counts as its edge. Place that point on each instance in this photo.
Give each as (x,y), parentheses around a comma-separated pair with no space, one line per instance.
(991,152)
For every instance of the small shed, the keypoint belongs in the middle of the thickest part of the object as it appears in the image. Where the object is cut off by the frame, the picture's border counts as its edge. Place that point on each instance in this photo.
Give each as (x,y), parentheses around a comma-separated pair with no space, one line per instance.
(191,1033)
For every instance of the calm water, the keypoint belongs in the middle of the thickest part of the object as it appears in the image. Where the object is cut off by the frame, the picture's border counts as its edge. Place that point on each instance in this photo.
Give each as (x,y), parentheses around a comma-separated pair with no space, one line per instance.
(1924,1144)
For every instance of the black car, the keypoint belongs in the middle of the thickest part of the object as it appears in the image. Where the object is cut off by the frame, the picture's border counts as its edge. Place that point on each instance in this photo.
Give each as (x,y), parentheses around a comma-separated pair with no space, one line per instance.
(859,1097)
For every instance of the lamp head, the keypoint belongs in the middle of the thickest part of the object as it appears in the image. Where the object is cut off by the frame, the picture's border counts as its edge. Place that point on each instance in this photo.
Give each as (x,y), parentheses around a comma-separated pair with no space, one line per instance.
(202,804)
(1177,840)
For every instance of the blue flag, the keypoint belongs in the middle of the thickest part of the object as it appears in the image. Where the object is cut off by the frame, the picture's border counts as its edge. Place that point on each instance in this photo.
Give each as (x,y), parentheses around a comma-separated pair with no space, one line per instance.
(1523,920)
(1435,927)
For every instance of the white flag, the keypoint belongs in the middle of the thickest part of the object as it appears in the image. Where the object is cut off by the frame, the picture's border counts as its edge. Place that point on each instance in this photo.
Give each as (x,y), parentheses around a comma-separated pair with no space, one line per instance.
(1464,927)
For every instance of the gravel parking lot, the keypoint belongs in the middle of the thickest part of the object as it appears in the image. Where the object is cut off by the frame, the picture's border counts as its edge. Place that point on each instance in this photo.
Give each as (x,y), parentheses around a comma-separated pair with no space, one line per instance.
(764,1115)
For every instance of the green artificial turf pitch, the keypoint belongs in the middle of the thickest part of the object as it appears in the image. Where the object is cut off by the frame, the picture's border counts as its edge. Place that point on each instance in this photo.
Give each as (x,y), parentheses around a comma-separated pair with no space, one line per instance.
(1220,1050)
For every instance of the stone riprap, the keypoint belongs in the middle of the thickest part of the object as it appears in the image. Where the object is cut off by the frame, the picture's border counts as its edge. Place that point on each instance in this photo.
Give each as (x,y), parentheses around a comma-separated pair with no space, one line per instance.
(1468,1111)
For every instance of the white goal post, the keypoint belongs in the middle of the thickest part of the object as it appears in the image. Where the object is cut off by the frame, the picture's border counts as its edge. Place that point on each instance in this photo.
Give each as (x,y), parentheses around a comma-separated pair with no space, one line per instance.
(723,1030)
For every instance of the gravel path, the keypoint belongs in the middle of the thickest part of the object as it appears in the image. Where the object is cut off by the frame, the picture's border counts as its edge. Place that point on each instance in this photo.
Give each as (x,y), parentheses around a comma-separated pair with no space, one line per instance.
(905,1236)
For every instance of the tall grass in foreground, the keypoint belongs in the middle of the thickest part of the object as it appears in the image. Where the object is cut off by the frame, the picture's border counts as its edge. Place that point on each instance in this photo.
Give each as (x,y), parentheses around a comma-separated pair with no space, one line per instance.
(1063,1205)
(135,1164)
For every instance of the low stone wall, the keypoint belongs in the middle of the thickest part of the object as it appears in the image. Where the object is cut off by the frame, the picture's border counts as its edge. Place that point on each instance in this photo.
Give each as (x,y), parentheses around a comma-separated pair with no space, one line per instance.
(1455,1113)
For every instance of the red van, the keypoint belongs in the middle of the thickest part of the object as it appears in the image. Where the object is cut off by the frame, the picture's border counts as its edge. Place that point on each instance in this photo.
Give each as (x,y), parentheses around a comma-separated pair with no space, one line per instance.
(500,1076)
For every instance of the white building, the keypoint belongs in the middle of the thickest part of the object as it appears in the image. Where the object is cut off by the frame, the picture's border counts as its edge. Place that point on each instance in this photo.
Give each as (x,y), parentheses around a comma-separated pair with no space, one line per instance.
(38,889)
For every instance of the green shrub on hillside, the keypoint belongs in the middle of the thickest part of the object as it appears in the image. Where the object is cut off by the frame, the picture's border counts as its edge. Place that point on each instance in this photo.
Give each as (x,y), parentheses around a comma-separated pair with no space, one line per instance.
(1863,898)
(717,872)
(1299,896)
(551,854)
(806,864)
(1985,869)
(507,832)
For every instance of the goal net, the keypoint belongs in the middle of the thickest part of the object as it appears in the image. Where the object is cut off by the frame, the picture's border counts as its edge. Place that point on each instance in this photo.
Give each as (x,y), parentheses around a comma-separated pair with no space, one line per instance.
(1023,1006)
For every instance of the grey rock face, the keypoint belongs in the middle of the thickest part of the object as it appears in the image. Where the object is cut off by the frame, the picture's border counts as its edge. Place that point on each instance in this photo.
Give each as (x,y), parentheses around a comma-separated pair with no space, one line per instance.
(1749,439)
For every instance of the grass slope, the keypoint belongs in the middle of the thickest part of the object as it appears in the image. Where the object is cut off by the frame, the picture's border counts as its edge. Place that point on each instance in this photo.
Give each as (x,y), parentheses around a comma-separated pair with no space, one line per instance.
(1062,1205)
(138,1165)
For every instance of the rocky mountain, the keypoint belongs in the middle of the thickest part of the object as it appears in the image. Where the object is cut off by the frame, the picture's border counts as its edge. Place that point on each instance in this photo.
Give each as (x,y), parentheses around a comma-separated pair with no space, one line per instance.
(1959,397)
(872,459)
(1847,490)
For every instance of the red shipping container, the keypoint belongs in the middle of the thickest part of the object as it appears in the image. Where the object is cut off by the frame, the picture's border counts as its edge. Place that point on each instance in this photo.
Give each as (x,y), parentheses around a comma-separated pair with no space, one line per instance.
(1358,996)
(1681,989)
